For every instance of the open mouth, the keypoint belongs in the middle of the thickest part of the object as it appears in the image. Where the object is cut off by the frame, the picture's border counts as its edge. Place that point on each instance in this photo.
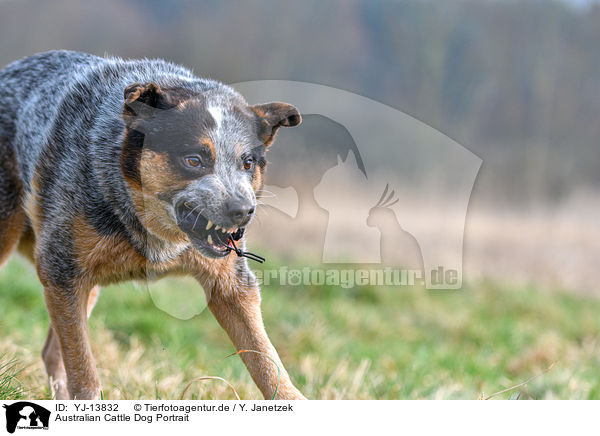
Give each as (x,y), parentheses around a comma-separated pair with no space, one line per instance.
(207,237)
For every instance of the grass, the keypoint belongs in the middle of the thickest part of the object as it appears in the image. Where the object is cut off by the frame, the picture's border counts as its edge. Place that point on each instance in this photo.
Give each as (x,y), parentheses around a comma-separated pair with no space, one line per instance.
(9,385)
(361,343)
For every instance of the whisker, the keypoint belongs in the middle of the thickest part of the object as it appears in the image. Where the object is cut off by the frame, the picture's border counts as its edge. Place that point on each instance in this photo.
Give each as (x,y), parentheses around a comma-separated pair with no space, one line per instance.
(196,221)
(192,211)
(260,194)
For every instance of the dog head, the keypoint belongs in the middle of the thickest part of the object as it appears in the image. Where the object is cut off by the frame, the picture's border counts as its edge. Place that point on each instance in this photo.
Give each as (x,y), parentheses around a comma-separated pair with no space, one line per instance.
(196,160)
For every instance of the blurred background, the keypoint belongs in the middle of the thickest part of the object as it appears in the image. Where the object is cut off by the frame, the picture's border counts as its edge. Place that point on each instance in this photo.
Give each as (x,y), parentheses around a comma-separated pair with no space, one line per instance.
(513,81)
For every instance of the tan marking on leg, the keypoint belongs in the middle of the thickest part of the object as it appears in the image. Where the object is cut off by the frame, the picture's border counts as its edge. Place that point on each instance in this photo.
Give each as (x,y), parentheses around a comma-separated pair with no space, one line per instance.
(52,356)
(236,306)
(68,315)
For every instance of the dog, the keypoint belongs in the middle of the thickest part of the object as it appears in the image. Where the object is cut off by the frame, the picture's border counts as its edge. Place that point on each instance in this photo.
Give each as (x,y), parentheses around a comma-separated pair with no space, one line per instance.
(115,170)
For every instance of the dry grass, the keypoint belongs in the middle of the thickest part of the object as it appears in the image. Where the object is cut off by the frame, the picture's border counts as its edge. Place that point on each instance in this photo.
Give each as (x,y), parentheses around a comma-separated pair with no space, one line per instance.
(362,343)
(138,373)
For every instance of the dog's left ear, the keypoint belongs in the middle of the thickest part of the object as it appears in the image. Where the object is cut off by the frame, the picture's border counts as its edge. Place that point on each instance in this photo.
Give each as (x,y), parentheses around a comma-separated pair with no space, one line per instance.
(271,116)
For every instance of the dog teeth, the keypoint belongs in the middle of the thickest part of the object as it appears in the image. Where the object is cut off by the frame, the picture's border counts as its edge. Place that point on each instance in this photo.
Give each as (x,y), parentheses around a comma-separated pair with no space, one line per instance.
(209,239)
(223,229)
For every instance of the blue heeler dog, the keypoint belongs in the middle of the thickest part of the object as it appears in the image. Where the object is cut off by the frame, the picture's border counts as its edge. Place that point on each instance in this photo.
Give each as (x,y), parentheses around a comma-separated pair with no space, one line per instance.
(113,170)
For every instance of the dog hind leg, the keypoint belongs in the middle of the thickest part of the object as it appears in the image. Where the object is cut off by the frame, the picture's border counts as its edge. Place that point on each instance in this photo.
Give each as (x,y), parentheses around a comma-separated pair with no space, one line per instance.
(55,368)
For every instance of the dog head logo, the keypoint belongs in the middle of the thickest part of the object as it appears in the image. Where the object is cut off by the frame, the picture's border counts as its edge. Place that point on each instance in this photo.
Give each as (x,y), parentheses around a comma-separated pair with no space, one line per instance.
(26,415)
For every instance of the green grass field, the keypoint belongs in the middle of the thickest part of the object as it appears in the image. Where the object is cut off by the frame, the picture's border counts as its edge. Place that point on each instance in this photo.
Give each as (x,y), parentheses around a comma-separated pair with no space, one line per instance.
(370,342)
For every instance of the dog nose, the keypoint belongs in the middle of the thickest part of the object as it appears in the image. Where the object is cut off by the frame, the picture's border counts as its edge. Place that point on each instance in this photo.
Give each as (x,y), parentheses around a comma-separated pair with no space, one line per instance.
(239,210)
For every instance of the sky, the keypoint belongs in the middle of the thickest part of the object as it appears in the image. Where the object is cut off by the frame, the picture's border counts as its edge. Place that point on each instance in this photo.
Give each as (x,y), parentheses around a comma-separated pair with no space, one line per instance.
(580,3)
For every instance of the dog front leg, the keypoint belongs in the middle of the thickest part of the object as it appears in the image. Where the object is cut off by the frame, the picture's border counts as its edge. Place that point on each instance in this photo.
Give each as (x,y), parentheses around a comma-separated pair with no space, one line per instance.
(55,368)
(68,316)
(239,314)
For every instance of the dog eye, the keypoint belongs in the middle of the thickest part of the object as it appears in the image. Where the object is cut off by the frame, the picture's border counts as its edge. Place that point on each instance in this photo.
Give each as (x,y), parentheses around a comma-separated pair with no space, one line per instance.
(193,161)
(248,162)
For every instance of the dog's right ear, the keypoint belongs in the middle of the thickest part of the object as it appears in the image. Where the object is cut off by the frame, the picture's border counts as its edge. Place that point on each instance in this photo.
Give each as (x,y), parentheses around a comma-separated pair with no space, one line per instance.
(141,102)
(142,99)
(146,93)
